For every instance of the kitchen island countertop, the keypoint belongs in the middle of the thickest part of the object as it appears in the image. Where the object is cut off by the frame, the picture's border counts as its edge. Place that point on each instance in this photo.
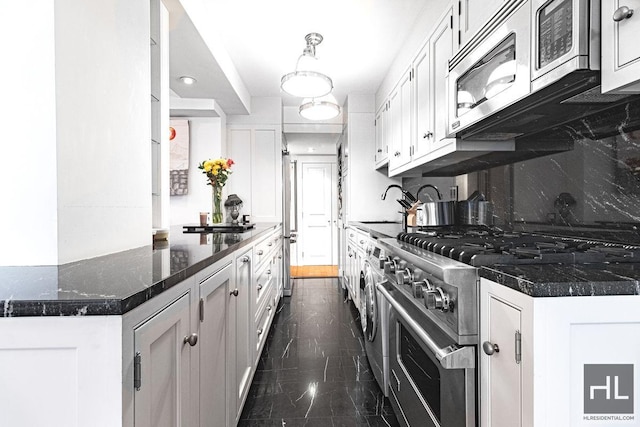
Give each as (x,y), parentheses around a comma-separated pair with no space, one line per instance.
(563,280)
(116,283)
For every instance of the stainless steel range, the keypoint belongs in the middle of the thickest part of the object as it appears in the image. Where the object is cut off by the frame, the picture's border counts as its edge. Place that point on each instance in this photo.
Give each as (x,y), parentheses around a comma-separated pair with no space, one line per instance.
(432,288)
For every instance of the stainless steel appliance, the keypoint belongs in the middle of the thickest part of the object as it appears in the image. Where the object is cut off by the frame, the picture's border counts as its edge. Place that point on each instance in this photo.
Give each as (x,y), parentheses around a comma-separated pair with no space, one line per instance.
(432,286)
(374,315)
(433,332)
(289,219)
(546,47)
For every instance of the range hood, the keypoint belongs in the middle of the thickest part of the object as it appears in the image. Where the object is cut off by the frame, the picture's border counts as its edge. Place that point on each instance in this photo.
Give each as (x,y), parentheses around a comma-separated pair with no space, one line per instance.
(545,122)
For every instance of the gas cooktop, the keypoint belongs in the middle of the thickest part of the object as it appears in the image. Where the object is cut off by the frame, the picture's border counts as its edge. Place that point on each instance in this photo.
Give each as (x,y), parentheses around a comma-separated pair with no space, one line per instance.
(484,246)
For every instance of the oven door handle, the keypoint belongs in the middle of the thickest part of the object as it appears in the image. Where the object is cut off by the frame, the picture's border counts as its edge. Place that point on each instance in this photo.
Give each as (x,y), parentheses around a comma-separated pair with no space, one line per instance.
(450,357)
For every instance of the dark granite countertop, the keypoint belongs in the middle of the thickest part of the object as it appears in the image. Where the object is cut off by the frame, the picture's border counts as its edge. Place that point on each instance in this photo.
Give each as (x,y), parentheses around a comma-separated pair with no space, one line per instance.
(379,230)
(117,283)
(563,280)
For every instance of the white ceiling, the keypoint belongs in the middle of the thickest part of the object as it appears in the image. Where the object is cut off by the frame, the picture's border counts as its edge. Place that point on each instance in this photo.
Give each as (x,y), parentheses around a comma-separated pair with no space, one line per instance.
(264,39)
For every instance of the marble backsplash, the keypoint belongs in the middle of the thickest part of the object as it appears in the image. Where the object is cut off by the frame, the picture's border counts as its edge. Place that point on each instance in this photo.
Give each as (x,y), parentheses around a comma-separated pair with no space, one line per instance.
(597,184)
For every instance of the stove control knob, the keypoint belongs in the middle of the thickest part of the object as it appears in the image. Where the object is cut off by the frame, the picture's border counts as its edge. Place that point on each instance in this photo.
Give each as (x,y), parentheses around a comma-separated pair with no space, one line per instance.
(382,262)
(402,265)
(404,276)
(418,287)
(436,299)
(389,267)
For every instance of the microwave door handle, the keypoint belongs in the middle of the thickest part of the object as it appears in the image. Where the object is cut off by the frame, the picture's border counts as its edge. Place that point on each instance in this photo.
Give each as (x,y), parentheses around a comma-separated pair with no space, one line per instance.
(451,357)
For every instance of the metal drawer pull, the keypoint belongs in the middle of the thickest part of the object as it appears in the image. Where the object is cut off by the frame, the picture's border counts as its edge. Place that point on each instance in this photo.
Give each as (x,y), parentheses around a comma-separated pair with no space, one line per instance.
(234,293)
(260,252)
(259,286)
(622,13)
(268,308)
(244,259)
(191,339)
(269,271)
(490,348)
(450,357)
(270,244)
(260,331)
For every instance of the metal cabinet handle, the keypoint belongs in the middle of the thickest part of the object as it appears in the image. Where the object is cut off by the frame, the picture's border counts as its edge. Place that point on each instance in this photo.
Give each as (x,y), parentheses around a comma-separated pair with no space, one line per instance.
(191,339)
(260,252)
(379,150)
(279,256)
(361,242)
(259,331)
(268,308)
(259,287)
(270,244)
(350,255)
(490,348)
(427,134)
(244,259)
(396,154)
(234,293)
(269,271)
(622,13)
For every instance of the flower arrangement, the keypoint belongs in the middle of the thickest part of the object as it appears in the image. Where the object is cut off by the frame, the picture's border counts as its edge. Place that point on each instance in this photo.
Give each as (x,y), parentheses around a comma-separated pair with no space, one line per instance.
(217,171)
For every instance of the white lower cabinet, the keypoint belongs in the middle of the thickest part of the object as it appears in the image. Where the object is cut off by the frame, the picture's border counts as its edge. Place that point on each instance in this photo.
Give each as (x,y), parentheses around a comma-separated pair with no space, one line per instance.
(504,317)
(544,361)
(215,354)
(240,333)
(163,388)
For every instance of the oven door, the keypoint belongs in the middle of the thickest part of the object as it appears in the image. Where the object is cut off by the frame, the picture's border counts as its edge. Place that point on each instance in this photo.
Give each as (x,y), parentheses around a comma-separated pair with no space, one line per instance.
(432,381)
(492,71)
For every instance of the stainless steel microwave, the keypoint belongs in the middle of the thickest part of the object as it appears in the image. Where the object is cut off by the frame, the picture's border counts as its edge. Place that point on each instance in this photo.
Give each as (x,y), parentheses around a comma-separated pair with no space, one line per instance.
(531,52)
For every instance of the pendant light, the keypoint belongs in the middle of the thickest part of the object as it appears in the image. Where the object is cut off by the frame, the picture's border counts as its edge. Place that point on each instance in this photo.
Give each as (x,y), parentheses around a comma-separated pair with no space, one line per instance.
(323,108)
(305,82)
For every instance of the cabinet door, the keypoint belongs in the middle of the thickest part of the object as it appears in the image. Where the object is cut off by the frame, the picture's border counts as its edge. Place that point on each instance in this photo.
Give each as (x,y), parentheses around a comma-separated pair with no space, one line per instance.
(620,55)
(214,299)
(472,15)
(400,105)
(381,150)
(240,324)
(441,50)
(501,373)
(163,396)
(422,99)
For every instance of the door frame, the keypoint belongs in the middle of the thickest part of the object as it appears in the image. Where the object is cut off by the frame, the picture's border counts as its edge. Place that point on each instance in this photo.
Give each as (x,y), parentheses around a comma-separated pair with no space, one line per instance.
(310,159)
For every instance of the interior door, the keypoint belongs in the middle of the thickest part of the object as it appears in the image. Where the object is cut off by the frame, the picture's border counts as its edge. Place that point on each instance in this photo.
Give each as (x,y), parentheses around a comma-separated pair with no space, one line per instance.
(316,233)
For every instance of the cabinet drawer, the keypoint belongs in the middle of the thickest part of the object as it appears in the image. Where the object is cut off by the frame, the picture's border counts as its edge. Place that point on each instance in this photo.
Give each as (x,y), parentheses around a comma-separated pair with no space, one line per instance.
(263,321)
(265,248)
(262,286)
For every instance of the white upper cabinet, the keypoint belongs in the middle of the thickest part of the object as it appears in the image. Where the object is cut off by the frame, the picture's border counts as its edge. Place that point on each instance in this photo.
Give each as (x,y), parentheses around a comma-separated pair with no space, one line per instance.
(401,119)
(382,143)
(418,104)
(421,96)
(471,16)
(620,55)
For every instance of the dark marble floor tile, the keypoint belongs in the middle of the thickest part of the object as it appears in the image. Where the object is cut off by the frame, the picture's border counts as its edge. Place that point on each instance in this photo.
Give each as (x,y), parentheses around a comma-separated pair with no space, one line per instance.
(313,370)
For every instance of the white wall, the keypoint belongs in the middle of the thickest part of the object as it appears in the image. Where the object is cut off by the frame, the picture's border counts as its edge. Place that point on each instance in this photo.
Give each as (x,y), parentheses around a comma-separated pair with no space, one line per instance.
(76,160)
(103,137)
(205,142)
(28,169)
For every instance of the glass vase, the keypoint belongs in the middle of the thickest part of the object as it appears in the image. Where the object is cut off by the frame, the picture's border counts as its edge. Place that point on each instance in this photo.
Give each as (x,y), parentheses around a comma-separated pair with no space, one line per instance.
(216,212)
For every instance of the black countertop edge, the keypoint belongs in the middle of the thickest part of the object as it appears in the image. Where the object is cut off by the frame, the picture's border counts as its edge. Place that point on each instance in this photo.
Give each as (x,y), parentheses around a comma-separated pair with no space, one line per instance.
(567,280)
(131,295)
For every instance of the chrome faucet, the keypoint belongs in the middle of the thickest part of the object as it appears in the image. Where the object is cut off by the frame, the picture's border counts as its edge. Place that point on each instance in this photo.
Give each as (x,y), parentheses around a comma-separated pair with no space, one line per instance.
(428,185)
(405,193)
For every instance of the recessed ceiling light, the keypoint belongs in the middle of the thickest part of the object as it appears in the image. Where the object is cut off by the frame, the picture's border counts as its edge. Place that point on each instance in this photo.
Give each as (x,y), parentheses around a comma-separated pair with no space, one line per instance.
(187,80)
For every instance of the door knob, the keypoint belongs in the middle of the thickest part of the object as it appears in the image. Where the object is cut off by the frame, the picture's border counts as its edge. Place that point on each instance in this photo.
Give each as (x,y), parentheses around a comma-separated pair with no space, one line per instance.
(490,348)
(191,339)
(622,13)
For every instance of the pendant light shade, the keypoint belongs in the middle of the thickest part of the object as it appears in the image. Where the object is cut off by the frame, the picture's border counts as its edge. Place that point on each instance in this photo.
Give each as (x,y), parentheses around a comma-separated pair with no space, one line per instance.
(306,81)
(323,108)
